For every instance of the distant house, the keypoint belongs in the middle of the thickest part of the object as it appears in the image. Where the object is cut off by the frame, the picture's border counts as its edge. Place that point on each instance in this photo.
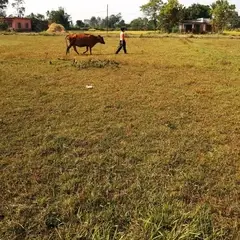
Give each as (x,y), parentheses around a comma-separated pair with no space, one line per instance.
(18,24)
(200,25)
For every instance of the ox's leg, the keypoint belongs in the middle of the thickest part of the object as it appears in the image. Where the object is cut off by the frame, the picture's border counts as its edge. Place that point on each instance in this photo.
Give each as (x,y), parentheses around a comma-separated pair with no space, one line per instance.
(75,49)
(90,51)
(86,50)
(68,48)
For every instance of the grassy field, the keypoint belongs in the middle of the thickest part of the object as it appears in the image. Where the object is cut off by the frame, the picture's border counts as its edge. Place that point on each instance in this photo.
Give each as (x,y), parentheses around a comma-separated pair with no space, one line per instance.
(151,152)
(233,33)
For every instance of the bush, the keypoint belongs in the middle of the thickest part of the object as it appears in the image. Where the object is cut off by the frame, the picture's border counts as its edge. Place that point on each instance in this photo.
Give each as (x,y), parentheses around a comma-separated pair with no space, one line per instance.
(3,26)
(175,29)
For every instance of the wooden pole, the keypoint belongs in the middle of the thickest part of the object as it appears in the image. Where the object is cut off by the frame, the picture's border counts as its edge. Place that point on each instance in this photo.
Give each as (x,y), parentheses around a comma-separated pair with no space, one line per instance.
(107,18)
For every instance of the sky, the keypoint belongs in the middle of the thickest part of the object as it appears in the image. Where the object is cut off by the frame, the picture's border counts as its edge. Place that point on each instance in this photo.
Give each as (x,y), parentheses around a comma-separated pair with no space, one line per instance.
(80,10)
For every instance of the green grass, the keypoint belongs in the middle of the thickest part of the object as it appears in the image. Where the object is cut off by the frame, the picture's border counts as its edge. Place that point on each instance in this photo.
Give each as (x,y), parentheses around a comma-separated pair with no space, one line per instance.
(150,152)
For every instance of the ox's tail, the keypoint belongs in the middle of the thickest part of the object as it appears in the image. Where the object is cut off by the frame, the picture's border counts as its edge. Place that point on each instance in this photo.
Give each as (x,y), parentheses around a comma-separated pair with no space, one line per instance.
(67,39)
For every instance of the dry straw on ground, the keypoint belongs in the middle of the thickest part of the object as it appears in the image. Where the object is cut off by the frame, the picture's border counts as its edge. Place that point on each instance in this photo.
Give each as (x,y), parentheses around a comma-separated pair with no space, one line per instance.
(54,27)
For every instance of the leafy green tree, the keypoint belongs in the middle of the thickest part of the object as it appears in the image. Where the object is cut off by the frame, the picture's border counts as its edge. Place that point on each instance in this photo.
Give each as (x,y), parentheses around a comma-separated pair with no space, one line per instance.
(96,22)
(136,24)
(103,23)
(3,4)
(59,16)
(19,6)
(197,11)
(170,15)
(37,16)
(139,24)
(2,13)
(152,10)
(80,23)
(38,22)
(99,22)
(151,25)
(114,21)
(222,13)
(145,23)
(93,22)
(234,21)
(120,24)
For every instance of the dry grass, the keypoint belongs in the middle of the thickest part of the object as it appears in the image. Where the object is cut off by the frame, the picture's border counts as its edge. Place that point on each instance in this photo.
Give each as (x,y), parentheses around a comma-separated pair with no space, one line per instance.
(232,33)
(56,28)
(150,152)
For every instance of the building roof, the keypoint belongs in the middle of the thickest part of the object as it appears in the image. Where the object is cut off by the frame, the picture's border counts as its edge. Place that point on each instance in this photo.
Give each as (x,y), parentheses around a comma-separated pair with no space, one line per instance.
(11,18)
(199,20)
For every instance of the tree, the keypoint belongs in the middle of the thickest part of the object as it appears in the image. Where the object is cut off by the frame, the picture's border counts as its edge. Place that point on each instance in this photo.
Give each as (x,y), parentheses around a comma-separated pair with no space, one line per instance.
(37,16)
(196,11)
(145,23)
(222,13)
(19,6)
(103,23)
(38,22)
(59,16)
(93,22)
(152,10)
(96,22)
(115,21)
(120,24)
(80,23)
(139,24)
(3,4)
(234,21)
(170,15)
(2,13)
(99,21)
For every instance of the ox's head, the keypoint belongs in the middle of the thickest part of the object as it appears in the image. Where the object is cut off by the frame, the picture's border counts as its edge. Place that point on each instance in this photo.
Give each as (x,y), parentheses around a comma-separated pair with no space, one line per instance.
(101,40)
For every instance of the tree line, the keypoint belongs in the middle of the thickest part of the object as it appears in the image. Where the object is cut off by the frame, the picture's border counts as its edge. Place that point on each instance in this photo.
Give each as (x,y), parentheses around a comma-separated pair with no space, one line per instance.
(18,5)
(158,15)
(167,15)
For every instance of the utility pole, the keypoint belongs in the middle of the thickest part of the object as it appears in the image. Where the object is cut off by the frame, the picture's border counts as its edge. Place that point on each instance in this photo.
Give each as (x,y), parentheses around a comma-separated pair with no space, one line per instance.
(107,18)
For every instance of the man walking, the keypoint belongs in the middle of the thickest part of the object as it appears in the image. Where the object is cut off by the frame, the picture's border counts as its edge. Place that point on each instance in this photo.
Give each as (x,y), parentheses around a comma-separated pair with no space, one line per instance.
(122,42)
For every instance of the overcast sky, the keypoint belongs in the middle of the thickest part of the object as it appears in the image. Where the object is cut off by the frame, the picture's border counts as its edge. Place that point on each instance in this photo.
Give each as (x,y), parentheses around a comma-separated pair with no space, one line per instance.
(79,9)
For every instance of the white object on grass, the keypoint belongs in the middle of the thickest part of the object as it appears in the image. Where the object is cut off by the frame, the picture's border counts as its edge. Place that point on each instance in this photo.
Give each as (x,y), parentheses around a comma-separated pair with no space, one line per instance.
(89,86)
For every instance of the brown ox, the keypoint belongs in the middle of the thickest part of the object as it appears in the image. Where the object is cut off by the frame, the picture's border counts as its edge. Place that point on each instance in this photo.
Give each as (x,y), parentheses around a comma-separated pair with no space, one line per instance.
(83,40)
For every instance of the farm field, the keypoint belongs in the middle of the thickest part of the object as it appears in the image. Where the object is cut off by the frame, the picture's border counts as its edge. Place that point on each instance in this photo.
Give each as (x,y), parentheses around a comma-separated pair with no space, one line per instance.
(151,151)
